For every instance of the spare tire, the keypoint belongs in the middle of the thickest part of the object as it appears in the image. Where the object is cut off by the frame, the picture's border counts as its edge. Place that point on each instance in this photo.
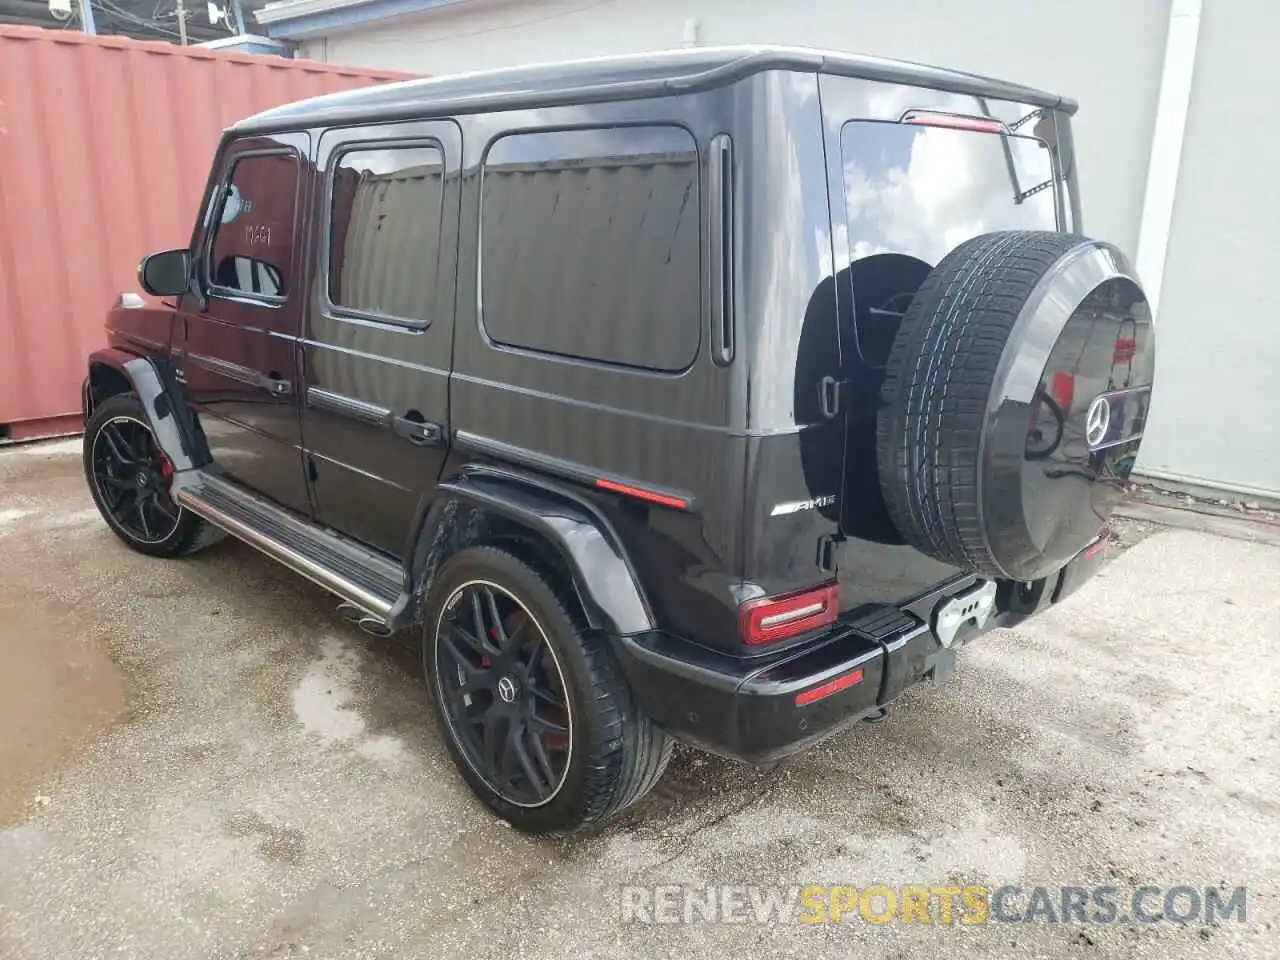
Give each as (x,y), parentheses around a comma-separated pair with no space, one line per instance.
(1016,390)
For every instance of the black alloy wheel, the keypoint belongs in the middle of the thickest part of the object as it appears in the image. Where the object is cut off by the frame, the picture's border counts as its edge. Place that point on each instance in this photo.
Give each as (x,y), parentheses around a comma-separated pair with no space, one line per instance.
(502,691)
(133,477)
(131,481)
(532,702)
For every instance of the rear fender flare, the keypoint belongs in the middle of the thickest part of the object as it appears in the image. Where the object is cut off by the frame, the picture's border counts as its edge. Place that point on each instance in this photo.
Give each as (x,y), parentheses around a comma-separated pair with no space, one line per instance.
(588,546)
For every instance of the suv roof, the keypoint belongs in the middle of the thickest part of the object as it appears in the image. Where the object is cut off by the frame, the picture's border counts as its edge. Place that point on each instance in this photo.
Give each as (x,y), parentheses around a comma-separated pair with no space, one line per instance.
(616,78)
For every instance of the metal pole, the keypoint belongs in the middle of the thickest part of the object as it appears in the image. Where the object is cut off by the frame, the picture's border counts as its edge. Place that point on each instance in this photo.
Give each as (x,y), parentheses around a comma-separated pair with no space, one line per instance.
(239,15)
(182,22)
(86,17)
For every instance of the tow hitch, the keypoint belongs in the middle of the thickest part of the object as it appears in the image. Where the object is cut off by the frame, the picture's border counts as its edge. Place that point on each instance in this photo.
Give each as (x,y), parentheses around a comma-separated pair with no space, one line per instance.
(974,607)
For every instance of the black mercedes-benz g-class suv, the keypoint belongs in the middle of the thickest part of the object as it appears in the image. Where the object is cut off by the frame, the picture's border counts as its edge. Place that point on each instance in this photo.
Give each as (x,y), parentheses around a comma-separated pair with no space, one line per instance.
(711,396)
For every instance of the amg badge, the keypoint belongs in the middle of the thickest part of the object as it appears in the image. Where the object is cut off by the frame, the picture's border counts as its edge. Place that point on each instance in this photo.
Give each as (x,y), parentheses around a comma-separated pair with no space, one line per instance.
(796,506)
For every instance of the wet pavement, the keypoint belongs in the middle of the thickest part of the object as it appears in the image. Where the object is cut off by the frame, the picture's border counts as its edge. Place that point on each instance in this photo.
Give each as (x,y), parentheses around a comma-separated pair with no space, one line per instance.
(198,759)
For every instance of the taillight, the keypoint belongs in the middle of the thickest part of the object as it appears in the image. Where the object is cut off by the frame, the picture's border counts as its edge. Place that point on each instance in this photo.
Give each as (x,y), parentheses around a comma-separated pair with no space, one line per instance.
(775,618)
(955,121)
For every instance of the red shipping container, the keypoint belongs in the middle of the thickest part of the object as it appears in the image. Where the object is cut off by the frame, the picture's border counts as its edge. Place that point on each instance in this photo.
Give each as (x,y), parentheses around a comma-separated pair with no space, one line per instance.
(105,145)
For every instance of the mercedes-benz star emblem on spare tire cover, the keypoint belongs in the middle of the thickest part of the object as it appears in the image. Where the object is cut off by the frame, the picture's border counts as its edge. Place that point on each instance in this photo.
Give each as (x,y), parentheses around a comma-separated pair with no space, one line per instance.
(1097,421)
(1009,332)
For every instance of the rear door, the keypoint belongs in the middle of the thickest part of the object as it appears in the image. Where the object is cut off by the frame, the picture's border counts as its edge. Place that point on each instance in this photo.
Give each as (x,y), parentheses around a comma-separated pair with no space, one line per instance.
(377,347)
(912,173)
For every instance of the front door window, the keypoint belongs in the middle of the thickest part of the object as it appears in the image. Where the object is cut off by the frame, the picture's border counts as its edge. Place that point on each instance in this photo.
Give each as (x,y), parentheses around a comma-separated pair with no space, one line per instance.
(252,243)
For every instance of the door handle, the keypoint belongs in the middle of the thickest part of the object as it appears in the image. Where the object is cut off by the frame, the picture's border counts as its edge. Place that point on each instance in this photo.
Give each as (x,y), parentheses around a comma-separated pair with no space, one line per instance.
(276,385)
(829,395)
(418,432)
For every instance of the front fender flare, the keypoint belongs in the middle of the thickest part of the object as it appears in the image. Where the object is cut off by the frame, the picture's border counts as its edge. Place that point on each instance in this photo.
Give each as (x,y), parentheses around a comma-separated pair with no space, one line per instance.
(583,538)
(165,409)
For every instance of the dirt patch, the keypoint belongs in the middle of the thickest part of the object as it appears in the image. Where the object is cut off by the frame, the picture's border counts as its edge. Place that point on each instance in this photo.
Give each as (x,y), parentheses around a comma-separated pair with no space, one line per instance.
(1127,532)
(58,691)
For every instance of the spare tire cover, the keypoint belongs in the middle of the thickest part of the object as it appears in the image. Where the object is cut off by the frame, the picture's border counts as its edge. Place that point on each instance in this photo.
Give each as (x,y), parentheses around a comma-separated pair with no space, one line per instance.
(1014,399)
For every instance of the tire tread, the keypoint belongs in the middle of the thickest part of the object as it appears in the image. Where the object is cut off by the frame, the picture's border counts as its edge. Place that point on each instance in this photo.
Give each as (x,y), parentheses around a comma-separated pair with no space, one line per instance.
(938,379)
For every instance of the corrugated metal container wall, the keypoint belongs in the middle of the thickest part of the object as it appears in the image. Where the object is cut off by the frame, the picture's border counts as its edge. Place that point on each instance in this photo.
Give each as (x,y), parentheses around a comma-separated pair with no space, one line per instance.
(105,146)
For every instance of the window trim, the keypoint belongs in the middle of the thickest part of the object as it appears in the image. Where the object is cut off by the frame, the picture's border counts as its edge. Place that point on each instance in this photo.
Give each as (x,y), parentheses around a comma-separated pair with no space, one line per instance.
(351,314)
(722,260)
(211,231)
(494,343)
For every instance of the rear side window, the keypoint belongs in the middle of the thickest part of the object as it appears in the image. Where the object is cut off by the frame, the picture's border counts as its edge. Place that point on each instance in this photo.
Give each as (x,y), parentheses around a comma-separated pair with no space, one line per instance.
(251,249)
(590,246)
(915,192)
(384,233)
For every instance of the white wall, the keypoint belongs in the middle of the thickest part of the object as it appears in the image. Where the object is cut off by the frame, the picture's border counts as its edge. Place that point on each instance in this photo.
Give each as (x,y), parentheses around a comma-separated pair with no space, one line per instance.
(1105,53)
(1216,419)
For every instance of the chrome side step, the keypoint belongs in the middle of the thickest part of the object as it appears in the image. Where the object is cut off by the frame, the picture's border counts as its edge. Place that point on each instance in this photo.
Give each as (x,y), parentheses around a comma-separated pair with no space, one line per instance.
(364,579)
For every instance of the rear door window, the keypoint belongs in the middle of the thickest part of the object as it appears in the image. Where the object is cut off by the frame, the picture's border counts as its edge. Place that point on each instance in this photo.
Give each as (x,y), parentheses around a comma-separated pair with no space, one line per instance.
(589,245)
(385,231)
(914,192)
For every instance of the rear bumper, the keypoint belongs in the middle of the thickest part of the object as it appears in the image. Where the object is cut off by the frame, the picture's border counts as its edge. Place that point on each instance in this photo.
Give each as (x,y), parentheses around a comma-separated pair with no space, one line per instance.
(748,709)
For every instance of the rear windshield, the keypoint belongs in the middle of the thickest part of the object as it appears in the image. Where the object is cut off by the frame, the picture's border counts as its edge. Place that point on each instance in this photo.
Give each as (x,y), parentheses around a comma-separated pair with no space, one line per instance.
(913,193)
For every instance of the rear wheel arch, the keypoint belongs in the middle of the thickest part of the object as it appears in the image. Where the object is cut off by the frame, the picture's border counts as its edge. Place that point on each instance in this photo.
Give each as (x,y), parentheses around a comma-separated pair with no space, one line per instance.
(534,549)
(514,514)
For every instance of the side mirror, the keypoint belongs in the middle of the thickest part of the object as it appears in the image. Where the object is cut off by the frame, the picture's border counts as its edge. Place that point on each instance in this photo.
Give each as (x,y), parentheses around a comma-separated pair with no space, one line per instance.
(165,274)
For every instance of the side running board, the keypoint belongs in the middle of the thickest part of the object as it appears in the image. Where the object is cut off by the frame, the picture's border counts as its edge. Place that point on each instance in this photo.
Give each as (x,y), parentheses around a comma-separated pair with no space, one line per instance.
(361,577)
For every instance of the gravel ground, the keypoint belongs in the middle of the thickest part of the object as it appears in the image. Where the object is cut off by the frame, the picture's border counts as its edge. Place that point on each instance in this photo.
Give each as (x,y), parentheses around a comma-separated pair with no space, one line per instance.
(200,760)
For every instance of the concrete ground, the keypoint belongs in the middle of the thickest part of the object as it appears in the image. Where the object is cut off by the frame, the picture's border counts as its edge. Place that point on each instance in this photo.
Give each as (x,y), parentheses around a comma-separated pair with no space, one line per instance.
(197,759)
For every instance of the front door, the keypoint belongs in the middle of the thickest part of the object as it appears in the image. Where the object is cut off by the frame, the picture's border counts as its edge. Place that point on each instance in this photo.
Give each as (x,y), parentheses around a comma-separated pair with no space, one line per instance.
(236,342)
(377,348)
